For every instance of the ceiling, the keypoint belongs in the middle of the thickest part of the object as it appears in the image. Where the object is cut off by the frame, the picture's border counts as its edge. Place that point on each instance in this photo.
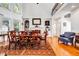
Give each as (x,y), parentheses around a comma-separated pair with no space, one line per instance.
(67,8)
(31,10)
(71,7)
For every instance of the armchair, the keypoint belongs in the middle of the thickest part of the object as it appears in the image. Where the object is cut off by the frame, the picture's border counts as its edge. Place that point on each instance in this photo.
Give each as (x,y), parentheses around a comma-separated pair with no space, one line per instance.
(67,37)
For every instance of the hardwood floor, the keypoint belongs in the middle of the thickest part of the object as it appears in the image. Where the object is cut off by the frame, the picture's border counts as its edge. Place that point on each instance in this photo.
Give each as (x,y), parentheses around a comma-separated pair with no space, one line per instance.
(62,49)
(30,53)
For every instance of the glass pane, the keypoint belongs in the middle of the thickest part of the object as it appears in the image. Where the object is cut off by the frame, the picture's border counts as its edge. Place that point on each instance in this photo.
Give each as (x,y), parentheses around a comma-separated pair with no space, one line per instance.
(17,8)
(16,26)
(5,5)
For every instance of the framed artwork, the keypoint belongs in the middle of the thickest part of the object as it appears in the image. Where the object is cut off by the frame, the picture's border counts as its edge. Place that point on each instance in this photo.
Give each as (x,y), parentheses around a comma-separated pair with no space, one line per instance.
(6,22)
(26,23)
(47,23)
(64,24)
(36,21)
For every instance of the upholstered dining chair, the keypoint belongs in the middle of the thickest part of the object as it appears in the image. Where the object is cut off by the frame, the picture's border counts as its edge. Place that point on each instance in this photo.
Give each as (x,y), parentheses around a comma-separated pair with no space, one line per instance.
(76,39)
(43,41)
(44,36)
(12,39)
(34,38)
(23,39)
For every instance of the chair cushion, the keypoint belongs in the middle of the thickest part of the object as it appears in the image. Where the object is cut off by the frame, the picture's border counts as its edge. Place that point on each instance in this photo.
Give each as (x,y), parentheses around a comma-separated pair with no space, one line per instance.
(68,34)
(64,39)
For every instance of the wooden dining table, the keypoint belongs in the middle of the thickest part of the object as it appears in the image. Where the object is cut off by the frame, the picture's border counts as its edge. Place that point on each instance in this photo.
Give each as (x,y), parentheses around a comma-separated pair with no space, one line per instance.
(29,36)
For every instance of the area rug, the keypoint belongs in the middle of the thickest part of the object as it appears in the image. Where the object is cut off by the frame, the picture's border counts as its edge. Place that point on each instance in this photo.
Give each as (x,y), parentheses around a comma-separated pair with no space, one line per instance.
(44,51)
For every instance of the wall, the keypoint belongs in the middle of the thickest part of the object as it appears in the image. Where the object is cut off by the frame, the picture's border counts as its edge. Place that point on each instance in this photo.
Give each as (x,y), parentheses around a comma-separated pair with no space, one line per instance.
(59,27)
(42,26)
(66,28)
(42,10)
(75,21)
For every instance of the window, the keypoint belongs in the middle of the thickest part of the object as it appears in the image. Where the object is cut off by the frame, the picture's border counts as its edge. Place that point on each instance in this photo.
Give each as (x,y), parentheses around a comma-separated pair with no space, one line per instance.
(5,5)
(17,8)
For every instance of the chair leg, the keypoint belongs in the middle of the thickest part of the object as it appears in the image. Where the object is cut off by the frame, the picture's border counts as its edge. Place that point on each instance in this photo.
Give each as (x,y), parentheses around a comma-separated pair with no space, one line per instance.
(26,45)
(58,40)
(66,43)
(15,45)
(75,43)
(72,43)
(9,46)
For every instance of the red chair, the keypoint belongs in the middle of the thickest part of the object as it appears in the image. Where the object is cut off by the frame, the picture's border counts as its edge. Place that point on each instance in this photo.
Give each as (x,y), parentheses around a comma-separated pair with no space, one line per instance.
(23,39)
(12,39)
(45,36)
(35,38)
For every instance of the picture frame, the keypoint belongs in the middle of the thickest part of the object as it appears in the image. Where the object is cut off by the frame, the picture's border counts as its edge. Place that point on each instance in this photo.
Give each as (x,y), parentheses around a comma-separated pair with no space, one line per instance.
(47,23)
(26,23)
(64,24)
(36,21)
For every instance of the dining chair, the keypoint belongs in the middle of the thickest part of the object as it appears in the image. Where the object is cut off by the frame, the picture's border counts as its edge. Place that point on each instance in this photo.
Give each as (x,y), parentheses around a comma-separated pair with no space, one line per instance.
(35,38)
(23,39)
(12,39)
(76,39)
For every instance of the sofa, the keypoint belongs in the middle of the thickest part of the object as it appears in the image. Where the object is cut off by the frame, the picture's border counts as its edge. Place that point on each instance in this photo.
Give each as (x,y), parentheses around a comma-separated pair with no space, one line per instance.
(67,37)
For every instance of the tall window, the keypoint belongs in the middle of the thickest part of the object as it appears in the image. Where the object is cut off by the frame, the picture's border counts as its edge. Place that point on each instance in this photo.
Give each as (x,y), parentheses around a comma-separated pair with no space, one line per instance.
(17,8)
(5,5)
(16,26)
(5,25)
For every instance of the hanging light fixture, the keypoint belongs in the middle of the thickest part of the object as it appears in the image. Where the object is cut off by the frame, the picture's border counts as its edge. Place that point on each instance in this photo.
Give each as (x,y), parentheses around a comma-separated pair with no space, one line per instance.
(37,3)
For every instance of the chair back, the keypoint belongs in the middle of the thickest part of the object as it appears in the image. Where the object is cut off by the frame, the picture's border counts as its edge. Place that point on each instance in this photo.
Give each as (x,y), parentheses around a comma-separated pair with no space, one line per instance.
(35,32)
(68,34)
(44,36)
(22,34)
(12,35)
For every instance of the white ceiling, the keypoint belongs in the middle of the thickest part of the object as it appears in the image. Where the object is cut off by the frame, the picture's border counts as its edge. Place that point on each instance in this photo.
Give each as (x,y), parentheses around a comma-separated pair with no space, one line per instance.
(31,10)
(67,8)
(71,7)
